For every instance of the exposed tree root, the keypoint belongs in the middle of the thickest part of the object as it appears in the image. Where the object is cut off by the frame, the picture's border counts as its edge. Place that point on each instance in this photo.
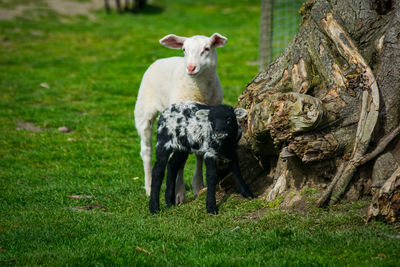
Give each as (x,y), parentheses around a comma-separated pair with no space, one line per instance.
(345,175)
(368,116)
(381,146)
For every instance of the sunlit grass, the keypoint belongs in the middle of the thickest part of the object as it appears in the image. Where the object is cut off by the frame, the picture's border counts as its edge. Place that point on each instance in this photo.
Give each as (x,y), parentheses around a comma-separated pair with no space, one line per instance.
(84,75)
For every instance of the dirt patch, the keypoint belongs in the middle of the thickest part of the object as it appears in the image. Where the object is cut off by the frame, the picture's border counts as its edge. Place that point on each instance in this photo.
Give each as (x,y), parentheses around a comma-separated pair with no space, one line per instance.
(62,7)
(9,14)
(29,126)
(72,8)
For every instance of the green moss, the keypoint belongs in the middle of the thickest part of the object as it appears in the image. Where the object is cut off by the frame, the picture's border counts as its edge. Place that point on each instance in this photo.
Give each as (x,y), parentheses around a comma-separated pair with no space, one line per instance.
(309,192)
(274,203)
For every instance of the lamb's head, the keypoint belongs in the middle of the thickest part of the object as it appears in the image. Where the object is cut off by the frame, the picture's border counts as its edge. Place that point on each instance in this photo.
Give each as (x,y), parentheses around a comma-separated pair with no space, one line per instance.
(223,121)
(200,53)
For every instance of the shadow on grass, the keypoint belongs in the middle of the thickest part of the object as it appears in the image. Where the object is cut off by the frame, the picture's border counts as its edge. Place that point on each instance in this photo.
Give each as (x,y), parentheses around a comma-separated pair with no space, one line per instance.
(149,10)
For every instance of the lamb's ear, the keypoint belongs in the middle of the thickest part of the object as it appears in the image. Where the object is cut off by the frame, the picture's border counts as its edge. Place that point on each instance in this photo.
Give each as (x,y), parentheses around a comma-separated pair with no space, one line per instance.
(202,114)
(239,134)
(217,40)
(173,41)
(240,113)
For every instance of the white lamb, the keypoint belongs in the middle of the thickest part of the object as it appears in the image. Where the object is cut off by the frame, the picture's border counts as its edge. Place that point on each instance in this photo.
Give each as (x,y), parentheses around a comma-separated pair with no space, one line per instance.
(175,79)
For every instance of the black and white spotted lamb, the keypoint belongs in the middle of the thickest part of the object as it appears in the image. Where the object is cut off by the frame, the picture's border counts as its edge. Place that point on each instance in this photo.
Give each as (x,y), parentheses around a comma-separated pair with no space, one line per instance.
(189,127)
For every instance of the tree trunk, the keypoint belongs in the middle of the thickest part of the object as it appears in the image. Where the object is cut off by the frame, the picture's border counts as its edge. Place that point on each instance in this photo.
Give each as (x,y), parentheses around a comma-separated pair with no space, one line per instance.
(328,106)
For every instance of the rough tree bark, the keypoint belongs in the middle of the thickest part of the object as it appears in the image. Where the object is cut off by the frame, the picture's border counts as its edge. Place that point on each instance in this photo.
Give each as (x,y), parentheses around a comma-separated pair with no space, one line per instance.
(386,203)
(325,113)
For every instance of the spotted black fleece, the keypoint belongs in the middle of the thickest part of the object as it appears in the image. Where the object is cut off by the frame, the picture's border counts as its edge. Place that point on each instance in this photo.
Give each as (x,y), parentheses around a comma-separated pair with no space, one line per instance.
(188,127)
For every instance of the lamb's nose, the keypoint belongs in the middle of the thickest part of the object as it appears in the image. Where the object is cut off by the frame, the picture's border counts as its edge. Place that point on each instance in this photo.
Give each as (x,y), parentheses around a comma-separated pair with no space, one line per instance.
(191,68)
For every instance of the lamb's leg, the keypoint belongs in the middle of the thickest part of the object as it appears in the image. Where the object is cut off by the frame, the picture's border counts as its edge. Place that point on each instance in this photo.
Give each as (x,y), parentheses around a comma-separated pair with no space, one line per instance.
(145,130)
(176,163)
(162,156)
(197,182)
(212,180)
(241,185)
(180,188)
(146,154)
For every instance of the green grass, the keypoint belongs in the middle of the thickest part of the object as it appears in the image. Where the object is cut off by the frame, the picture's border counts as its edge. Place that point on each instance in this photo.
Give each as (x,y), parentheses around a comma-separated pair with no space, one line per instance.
(70,71)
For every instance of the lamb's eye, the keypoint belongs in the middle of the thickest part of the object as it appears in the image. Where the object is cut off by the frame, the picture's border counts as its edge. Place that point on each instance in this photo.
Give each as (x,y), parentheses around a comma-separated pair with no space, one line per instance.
(205,50)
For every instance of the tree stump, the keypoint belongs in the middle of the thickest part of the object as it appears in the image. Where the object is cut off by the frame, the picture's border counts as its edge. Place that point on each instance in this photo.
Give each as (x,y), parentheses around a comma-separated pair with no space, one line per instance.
(320,114)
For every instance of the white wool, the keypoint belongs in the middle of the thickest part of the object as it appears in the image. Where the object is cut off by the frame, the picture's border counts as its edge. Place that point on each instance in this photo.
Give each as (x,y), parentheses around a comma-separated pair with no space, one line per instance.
(171,80)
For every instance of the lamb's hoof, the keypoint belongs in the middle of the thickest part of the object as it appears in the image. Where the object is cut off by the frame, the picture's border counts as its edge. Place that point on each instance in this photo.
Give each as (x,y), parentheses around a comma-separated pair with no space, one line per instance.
(248,194)
(212,210)
(153,208)
(197,189)
(170,201)
(179,198)
(148,191)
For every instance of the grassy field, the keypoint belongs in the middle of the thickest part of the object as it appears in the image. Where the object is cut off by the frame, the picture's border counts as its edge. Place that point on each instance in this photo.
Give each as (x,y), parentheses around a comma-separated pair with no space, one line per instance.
(83,73)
